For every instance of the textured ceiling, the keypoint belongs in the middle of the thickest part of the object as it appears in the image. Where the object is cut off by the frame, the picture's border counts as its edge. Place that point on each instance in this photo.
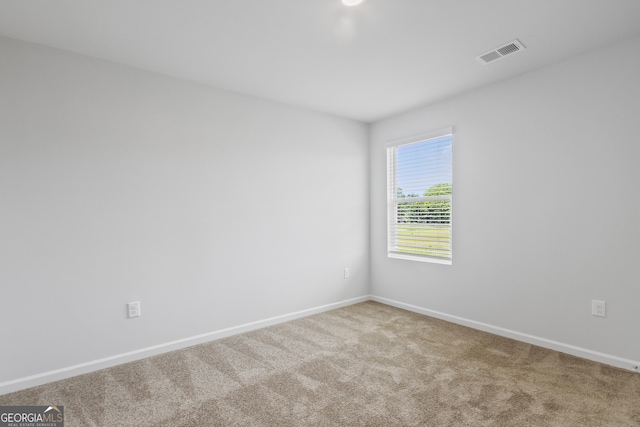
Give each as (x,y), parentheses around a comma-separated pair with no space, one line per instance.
(366,62)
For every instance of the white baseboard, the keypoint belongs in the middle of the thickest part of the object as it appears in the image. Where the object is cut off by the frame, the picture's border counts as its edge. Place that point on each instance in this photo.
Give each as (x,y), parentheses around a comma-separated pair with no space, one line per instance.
(107,362)
(584,353)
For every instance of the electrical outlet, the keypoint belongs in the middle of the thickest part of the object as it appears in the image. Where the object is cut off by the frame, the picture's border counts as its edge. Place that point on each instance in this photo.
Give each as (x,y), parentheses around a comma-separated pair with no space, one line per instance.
(598,308)
(346,273)
(635,368)
(134,309)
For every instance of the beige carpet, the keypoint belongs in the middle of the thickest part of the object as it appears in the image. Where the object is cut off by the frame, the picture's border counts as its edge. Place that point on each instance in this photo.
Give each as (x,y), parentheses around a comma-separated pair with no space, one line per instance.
(364,365)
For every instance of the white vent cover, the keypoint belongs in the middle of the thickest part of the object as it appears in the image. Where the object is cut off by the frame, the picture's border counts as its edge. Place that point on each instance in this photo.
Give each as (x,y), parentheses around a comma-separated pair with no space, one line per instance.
(500,52)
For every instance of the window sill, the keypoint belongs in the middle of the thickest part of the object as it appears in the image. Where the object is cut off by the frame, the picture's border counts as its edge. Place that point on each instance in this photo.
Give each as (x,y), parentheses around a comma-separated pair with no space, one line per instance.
(419,258)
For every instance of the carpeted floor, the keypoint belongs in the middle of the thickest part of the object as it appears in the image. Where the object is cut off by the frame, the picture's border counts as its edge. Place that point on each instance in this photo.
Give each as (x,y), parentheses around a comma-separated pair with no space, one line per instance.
(364,365)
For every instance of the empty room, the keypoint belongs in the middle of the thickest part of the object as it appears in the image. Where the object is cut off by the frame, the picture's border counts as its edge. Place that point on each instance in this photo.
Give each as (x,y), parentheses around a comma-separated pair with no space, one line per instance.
(320,212)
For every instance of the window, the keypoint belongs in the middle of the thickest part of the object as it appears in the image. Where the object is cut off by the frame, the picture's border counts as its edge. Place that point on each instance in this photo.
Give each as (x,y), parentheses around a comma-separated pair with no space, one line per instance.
(419,189)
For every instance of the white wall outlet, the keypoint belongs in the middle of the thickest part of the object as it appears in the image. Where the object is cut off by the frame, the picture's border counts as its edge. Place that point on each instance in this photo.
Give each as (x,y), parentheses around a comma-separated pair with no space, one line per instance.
(134,309)
(346,273)
(598,308)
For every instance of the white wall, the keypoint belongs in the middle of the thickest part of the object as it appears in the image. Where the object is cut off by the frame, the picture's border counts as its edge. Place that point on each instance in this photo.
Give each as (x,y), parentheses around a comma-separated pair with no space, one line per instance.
(211,208)
(546,205)
(215,209)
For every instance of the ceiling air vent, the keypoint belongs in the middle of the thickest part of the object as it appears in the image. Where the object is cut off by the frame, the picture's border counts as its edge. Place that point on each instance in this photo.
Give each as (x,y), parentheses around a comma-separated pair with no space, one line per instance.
(500,52)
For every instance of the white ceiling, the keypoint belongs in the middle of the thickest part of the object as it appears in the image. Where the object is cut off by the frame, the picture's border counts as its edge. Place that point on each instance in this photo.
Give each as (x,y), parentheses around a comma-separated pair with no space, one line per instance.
(366,62)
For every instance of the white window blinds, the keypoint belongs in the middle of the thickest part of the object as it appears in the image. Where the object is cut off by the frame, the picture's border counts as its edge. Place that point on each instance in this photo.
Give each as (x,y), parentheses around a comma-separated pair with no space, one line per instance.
(420,185)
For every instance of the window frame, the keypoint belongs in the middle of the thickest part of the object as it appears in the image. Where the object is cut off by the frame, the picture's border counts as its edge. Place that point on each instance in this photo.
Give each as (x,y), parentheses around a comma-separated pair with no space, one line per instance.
(393,201)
